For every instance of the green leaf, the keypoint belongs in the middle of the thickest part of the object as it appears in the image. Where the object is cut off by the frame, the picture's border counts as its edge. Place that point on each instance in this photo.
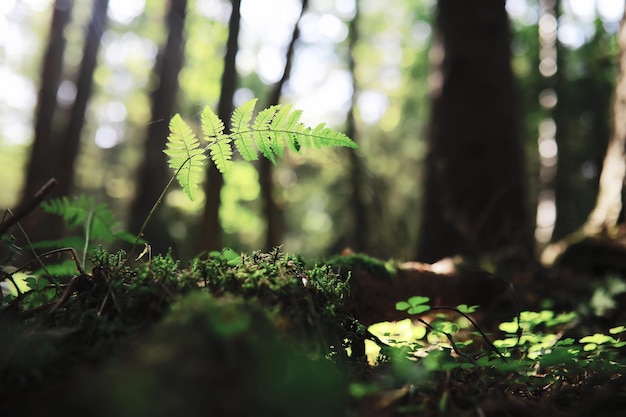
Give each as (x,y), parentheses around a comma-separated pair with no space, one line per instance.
(464,308)
(293,126)
(212,125)
(240,122)
(402,305)
(322,136)
(261,132)
(510,327)
(186,159)
(219,143)
(279,137)
(597,338)
(590,346)
(557,357)
(419,309)
(232,257)
(417,299)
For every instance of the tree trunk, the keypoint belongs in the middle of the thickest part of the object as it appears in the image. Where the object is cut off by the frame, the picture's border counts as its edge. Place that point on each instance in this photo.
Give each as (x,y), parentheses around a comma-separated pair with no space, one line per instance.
(210,237)
(41,165)
(153,173)
(360,226)
(273,212)
(71,141)
(474,199)
(609,202)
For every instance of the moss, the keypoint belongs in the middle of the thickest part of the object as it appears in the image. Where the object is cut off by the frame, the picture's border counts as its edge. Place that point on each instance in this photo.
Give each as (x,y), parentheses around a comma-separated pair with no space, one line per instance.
(217,356)
(343,264)
(308,303)
(267,310)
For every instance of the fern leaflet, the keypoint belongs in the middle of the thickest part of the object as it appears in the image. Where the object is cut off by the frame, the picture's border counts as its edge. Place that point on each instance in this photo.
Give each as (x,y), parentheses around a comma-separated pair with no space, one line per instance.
(262,134)
(219,144)
(186,158)
(279,137)
(240,122)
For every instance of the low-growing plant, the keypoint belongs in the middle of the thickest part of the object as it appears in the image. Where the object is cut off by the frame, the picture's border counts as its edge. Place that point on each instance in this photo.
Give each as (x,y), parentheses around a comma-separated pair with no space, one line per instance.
(536,350)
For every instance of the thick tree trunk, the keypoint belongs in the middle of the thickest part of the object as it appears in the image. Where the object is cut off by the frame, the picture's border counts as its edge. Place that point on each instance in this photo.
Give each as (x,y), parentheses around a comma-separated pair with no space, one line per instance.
(71,141)
(210,237)
(42,161)
(582,117)
(474,200)
(154,174)
(609,203)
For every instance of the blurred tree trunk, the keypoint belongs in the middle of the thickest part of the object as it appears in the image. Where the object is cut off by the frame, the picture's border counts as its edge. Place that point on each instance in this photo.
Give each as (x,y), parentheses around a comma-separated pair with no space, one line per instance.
(474,198)
(210,237)
(71,140)
(41,165)
(153,173)
(582,117)
(360,226)
(272,211)
(609,203)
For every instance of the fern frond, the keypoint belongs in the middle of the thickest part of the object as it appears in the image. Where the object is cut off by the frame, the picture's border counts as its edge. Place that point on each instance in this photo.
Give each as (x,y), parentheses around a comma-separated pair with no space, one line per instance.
(262,134)
(273,129)
(186,158)
(219,146)
(83,211)
(73,212)
(322,136)
(105,228)
(240,128)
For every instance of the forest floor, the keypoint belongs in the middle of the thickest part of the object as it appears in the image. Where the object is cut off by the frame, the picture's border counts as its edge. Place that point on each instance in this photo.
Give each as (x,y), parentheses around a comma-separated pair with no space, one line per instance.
(270,334)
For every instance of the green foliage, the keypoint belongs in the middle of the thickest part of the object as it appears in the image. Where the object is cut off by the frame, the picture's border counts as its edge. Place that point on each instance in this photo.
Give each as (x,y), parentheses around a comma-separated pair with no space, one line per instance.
(270,132)
(536,349)
(99,227)
(414,305)
(185,156)
(308,302)
(97,219)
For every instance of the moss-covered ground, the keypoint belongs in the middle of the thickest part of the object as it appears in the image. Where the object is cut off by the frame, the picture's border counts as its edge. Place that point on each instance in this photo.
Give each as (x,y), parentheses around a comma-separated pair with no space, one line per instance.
(268,334)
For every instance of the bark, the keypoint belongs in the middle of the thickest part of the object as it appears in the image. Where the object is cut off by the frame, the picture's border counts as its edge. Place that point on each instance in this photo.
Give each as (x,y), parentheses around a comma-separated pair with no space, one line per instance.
(71,140)
(582,118)
(608,207)
(41,164)
(153,173)
(474,198)
(210,237)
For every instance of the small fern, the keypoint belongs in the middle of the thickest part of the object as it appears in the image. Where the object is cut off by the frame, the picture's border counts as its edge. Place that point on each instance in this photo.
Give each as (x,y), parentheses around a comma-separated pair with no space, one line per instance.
(98,220)
(270,132)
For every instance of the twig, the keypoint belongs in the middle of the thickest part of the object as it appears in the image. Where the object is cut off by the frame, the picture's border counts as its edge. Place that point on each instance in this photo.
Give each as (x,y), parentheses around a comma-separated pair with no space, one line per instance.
(484,336)
(23,211)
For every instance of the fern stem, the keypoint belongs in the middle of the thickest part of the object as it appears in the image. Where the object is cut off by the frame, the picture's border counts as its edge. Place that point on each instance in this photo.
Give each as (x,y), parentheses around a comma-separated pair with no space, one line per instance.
(150,214)
(88,225)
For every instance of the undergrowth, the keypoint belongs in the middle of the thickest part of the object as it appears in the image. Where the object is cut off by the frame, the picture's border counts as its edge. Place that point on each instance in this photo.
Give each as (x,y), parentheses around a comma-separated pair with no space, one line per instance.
(265,333)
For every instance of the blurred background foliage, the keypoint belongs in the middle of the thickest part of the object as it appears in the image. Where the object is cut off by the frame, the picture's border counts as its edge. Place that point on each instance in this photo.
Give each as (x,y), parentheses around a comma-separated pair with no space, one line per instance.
(389,92)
